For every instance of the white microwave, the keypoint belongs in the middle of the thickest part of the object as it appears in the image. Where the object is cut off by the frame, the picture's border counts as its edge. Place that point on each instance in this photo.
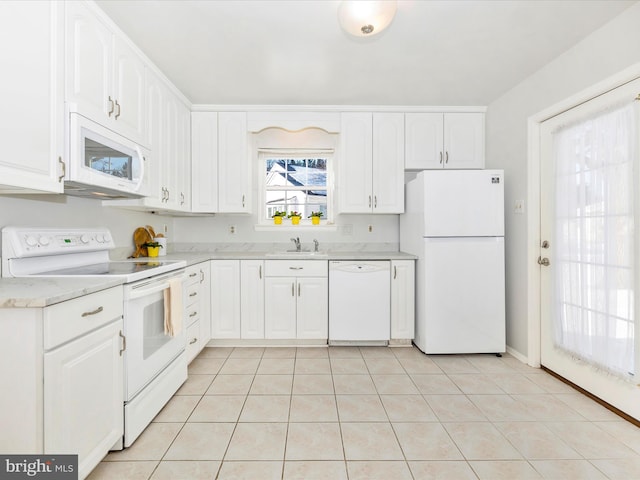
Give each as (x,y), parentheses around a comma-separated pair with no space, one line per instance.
(102,163)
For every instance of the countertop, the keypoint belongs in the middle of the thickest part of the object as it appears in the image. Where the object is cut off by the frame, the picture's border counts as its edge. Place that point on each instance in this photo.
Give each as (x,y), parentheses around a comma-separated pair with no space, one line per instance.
(42,292)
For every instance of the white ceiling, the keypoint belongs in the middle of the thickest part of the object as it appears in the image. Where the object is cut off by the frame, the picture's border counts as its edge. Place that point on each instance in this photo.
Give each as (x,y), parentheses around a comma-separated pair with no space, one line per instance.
(293,52)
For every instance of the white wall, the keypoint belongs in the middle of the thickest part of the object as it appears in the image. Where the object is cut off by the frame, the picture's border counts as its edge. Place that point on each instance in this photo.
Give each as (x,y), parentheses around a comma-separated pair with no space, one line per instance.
(66,211)
(606,52)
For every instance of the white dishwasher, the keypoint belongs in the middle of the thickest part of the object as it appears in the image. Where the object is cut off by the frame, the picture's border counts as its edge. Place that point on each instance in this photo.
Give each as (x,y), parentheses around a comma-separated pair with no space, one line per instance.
(359,302)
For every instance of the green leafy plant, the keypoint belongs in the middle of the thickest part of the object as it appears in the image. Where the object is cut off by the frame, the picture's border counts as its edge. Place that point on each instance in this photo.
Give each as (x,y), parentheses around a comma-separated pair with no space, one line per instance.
(315,214)
(152,244)
(279,214)
(294,214)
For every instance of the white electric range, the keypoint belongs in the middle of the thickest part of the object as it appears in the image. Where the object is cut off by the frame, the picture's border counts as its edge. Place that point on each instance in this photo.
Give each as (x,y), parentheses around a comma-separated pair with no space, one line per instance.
(155,363)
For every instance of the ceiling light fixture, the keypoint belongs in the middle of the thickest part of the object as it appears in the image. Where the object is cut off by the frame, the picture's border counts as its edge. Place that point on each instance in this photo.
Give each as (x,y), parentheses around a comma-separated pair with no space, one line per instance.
(364,18)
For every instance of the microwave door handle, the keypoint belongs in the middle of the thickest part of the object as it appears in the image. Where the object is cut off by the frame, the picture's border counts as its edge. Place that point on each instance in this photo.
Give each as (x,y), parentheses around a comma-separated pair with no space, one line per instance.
(142,162)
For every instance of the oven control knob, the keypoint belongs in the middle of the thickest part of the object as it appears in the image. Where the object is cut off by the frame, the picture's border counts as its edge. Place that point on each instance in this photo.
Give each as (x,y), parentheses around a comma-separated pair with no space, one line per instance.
(106,238)
(99,238)
(44,241)
(84,238)
(31,241)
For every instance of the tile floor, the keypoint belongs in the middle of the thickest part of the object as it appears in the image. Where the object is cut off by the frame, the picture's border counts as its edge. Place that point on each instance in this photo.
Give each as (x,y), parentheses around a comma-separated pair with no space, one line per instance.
(375,413)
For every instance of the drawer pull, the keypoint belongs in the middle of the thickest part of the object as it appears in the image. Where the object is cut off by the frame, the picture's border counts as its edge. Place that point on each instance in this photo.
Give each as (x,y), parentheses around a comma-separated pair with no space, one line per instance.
(193,314)
(296,268)
(193,294)
(193,340)
(192,274)
(93,312)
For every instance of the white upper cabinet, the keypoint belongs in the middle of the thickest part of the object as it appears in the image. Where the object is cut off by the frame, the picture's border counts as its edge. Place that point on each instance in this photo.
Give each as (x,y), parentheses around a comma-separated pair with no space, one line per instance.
(105,77)
(444,140)
(32,120)
(233,163)
(204,161)
(371,163)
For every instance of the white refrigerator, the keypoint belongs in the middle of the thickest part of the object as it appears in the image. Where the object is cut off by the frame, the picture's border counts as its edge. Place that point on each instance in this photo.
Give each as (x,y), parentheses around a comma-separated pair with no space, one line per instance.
(454,224)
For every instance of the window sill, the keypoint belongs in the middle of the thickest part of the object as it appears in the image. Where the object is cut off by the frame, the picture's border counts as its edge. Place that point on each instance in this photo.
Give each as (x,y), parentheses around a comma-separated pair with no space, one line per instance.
(288,227)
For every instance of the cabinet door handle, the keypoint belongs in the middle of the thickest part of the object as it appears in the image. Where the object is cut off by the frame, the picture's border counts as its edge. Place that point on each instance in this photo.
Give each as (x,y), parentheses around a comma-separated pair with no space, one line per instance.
(440,158)
(193,274)
(193,294)
(193,340)
(64,169)
(296,268)
(260,272)
(112,106)
(369,201)
(375,201)
(298,289)
(395,272)
(242,201)
(446,157)
(124,343)
(93,312)
(117,114)
(201,276)
(193,314)
(293,289)
(181,198)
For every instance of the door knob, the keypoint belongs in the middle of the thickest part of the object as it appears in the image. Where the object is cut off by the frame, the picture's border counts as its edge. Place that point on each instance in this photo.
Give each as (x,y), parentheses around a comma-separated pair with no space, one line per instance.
(543,261)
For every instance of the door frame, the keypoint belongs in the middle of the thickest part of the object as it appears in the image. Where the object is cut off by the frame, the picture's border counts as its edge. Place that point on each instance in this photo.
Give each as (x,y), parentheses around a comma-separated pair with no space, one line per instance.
(533,197)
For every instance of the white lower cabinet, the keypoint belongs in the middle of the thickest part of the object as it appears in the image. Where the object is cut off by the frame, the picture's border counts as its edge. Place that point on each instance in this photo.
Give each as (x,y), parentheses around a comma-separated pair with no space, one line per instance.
(252,283)
(402,300)
(197,306)
(225,299)
(296,300)
(64,365)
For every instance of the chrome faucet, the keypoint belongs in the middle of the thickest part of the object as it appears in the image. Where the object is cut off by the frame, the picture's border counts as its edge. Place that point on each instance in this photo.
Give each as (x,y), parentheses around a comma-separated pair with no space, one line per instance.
(297,242)
(315,245)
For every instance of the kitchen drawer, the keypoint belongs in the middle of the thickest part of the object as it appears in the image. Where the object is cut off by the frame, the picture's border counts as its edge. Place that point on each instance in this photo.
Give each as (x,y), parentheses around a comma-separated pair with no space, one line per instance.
(67,320)
(295,268)
(194,341)
(192,313)
(192,275)
(192,293)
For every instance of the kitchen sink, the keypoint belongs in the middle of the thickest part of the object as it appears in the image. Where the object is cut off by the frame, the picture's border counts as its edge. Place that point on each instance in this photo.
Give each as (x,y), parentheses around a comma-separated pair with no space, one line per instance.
(297,254)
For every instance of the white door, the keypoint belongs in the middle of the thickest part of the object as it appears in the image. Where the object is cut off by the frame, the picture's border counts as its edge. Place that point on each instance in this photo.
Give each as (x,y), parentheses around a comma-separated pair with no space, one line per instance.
(129,92)
(590,245)
(233,163)
(388,163)
(280,307)
(354,162)
(464,140)
(424,133)
(312,308)
(252,298)
(225,299)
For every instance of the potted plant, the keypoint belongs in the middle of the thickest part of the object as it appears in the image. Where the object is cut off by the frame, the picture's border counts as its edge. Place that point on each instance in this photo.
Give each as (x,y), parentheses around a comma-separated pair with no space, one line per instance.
(153,248)
(315,218)
(295,217)
(277,217)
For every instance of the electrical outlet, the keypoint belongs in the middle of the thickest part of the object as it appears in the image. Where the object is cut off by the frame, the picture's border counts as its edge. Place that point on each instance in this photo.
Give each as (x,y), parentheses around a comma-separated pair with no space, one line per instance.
(347,230)
(232,229)
(518,207)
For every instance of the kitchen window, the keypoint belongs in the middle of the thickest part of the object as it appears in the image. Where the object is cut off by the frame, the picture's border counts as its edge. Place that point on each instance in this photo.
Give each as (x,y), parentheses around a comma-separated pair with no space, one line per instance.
(295,181)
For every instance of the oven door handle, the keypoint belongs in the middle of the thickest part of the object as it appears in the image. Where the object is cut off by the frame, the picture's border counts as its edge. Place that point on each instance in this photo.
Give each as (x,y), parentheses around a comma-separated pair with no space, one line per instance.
(142,292)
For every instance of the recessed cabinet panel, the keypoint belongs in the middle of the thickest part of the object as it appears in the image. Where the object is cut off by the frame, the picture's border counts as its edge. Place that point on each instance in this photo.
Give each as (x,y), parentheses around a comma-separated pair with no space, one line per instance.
(233,163)
(252,298)
(402,299)
(424,137)
(280,308)
(388,163)
(225,299)
(354,163)
(464,140)
(204,161)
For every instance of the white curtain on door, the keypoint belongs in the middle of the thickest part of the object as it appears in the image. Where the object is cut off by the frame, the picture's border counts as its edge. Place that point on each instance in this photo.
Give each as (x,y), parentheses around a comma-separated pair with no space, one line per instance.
(594,239)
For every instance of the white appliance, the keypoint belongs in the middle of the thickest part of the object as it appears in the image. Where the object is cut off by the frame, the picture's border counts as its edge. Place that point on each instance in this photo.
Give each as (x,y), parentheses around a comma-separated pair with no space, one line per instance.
(454,224)
(102,163)
(155,364)
(359,302)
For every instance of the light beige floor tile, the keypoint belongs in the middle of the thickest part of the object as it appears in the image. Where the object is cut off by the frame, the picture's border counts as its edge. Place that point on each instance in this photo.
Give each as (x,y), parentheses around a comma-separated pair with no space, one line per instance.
(201,441)
(257,441)
(501,408)
(266,408)
(230,385)
(438,470)
(150,445)
(547,407)
(312,365)
(394,384)
(279,352)
(177,470)
(454,408)
(205,366)
(475,384)
(312,352)
(514,383)
(177,409)
(272,385)
(250,471)
(588,408)
(314,441)
(312,384)
(313,408)
(536,441)
(215,352)
(361,408)
(407,408)
(407,352)
(341,366)
(234,366)
(218,408)
(426,441)
(380,470)
(504,470)
(481,441)
(313,470)
(567,470)
(549,383)
(489,363)
(624,431)
(122,470)
(518,366)
(269,366)
(619,468)
(196,385)
(377,352)
(591,441)
(419,364)
(384,365)
(247,352)
(354,384)
(434,384)
(344,352)
(452,364)
(370,441)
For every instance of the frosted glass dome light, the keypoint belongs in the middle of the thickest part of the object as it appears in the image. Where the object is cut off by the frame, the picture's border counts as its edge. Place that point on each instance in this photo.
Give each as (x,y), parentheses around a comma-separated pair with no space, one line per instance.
(364,18)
